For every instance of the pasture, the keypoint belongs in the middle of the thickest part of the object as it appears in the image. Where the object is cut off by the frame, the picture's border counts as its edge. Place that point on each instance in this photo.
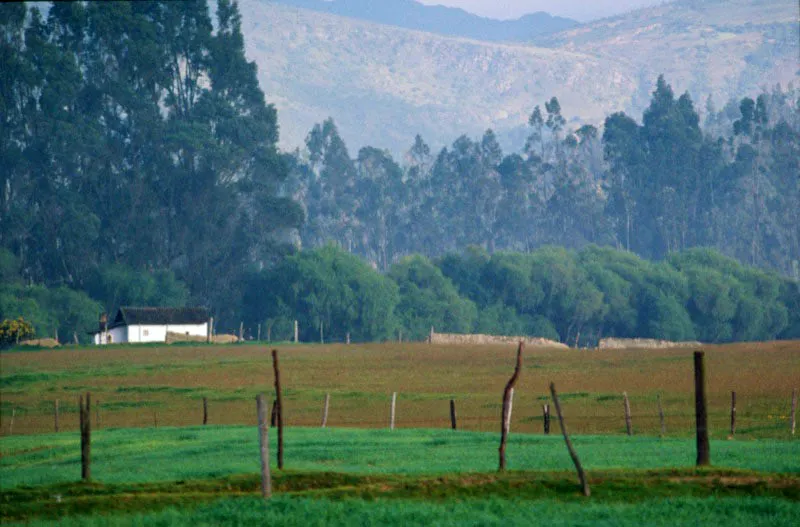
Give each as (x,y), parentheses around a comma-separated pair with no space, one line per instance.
(137,386)
(153,464)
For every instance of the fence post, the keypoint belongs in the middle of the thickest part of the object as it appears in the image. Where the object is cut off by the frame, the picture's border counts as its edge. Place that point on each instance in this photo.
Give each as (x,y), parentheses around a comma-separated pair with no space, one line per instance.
(506,412)
(701,410)
(510,407)
(86,436)
(321,336)
(348,337)
(263,444)
(628,424)
(55,414)
(210,336)
(574,455)
(453,414)
(661,417)
(11,423)
(546,416)
(325,410)
(241,332)
(279,400)
(269,332)
(205,411)
(75,338)
(794,410)
(258,338)
(296,333)
(733,414)
(392,414)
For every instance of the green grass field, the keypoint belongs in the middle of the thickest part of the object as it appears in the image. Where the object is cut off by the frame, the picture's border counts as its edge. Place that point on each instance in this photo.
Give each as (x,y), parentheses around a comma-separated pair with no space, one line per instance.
(360,473)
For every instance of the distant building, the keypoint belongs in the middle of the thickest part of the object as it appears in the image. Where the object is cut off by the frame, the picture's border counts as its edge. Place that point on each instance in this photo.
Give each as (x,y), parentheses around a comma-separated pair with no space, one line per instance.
(151,324)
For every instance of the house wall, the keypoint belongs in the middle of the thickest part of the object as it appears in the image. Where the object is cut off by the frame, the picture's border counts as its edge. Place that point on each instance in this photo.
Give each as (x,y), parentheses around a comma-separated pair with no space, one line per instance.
(142,333)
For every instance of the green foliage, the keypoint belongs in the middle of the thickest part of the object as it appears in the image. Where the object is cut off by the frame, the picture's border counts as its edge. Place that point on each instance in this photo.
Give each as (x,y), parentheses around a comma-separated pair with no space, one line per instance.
(429,300)
(15,331)
(327,287)
(117,285)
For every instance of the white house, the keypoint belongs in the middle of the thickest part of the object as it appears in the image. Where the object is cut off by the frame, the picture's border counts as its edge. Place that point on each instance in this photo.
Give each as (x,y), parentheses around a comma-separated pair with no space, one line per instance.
(151,324)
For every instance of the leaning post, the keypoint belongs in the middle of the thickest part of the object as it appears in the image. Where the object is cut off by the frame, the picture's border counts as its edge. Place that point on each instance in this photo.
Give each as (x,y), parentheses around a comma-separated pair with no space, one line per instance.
(701,410)
(574,455)
(506,412)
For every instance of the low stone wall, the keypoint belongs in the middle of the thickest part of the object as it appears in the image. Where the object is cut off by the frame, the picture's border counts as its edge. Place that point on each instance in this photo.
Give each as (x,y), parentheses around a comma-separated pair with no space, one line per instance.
(217,339)
(534,342)
(618,344)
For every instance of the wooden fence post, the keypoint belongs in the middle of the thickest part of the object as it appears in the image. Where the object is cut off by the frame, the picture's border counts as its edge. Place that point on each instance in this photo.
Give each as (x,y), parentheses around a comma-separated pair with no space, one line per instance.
(279,399)
(296,333)
(733,414)
(55,414)
(391,413)
(510,407)
(325,410)
(75,338)
(205,411)
(504,417)
(263,444)
(210,336)
(241,332)
(321,336)
(701,410)
(574,455)
(628,423)
(546,417)
(86,436)
(348,337)
(453,414)
(794,410)
(661,417)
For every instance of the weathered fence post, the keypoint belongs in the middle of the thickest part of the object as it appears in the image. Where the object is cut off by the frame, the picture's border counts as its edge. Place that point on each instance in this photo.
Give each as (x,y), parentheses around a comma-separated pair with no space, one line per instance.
(210,336)
(75,338)
(628,423)
(794,410)
(504,418)
(546,417)
(279,404)
(391,413)
(241,332)
(258,338)
(733,413)
(453,414)
(86,436)
(347,338)
(325,410)
(205,411)
(263,444)
(510,407)
(296,333)
(701,410)
(321,336)
(661,417)
(55,414)
(574,455)
(400,336)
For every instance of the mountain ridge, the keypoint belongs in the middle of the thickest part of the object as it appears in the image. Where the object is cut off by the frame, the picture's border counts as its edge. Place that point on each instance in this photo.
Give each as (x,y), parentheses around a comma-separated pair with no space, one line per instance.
(438,19)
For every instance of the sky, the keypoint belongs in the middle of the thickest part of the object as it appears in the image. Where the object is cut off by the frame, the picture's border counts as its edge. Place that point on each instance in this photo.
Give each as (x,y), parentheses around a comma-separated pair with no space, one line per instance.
(581,10)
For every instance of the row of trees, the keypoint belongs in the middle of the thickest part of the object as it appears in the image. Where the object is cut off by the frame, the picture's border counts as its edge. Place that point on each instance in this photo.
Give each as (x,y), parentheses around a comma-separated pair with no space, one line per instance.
(134,135)
(574,297)
(652,188)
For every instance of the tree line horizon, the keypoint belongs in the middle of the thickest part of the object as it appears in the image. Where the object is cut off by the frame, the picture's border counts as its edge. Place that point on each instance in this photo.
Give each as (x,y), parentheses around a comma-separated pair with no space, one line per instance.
(141,167)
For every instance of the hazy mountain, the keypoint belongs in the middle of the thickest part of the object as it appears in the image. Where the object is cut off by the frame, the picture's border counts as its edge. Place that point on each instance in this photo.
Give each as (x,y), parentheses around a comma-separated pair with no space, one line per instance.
(439,19)
(384,84)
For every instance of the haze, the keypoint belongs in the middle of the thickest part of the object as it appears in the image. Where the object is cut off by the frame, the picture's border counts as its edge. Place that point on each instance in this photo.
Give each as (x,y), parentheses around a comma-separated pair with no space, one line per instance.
(581,10)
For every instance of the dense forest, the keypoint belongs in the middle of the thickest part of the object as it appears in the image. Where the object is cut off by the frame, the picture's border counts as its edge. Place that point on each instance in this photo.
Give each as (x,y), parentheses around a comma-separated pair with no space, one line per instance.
(140,167)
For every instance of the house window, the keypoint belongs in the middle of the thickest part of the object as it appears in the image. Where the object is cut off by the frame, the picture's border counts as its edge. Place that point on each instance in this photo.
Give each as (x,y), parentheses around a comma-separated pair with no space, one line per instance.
(146,332)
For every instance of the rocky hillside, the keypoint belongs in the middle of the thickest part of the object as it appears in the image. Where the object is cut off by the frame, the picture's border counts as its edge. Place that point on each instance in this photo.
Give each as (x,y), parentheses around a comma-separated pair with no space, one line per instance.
(384,84)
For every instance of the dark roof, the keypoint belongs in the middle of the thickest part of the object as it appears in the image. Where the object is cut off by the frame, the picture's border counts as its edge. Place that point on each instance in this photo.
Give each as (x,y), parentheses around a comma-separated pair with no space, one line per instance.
(157,316)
